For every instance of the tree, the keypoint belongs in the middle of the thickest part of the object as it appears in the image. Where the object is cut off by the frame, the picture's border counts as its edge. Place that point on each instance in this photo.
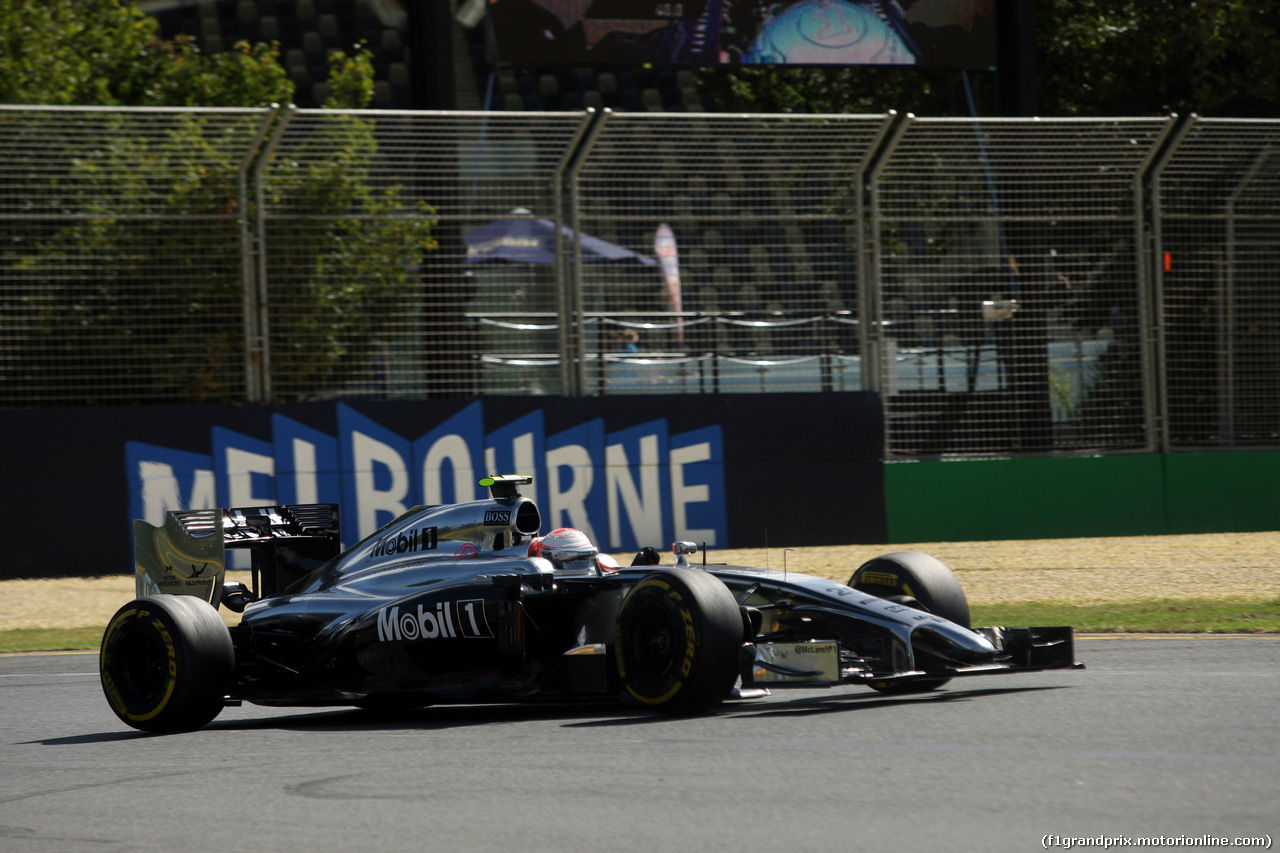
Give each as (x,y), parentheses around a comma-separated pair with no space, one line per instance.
(854,90)
(103,290)
(342,270)
(108,53)
(1150,58)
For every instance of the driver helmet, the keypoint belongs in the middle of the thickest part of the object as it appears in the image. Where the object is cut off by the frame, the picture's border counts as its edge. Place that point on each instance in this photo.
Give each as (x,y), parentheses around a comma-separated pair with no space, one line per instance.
(569,550)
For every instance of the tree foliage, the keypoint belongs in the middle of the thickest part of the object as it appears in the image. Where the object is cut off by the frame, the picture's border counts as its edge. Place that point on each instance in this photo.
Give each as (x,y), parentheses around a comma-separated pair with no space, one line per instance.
(108,285)
(333,300)
(854,90)
(1142,57)
(108,53)
(111,286)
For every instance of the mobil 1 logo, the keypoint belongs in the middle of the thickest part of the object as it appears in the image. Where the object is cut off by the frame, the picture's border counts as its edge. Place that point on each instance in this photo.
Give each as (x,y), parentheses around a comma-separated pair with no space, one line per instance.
(463,619)
(405,542)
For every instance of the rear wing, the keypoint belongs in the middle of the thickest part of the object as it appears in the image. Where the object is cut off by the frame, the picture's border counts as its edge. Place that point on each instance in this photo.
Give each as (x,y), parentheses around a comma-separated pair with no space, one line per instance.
(186,555)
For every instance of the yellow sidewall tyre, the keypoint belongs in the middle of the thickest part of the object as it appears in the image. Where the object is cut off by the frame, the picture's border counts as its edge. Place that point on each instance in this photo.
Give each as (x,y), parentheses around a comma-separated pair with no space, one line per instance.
(676,642)
(166,663)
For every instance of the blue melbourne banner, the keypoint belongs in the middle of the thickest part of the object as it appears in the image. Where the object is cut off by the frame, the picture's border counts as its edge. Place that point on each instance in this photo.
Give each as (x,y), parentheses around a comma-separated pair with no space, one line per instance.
(625,489)
(741,470)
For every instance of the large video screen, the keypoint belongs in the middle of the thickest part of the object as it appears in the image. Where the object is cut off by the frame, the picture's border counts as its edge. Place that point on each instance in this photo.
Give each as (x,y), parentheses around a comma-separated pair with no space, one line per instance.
(933,33)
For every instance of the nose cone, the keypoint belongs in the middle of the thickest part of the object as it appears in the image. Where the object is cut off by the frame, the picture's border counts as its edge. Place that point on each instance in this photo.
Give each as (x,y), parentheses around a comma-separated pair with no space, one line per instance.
(952,642)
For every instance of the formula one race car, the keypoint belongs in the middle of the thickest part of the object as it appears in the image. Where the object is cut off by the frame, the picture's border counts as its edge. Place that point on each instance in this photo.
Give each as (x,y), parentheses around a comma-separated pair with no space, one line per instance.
(466,603)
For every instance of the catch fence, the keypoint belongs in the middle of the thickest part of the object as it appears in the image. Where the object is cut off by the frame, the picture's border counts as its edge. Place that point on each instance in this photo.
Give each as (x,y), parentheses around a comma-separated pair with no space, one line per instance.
(1008,285)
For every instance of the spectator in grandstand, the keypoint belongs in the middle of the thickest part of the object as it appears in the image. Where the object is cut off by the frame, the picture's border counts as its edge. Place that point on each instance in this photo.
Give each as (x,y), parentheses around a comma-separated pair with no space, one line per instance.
(626,342)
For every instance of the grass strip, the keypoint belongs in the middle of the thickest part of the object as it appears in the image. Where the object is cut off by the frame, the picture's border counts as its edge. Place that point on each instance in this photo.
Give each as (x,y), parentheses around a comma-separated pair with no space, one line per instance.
(1237,615)
(1240,615)
(49,639)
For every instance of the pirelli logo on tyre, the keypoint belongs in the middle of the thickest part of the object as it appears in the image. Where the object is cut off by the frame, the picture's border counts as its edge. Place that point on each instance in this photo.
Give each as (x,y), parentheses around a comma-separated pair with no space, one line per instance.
(138,620)
(690,638)
(878,579)
(655,667)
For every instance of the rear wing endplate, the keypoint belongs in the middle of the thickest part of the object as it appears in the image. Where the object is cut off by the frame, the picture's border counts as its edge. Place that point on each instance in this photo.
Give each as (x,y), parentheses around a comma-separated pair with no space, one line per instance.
(186,555)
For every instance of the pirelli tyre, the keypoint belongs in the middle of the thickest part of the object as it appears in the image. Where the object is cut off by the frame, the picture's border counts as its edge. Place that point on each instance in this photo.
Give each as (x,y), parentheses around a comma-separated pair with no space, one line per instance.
(920,581)
(676,642)
(166,663)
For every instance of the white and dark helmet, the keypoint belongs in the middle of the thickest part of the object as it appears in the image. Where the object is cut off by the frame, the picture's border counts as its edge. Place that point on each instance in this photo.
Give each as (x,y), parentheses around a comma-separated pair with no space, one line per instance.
(569,550)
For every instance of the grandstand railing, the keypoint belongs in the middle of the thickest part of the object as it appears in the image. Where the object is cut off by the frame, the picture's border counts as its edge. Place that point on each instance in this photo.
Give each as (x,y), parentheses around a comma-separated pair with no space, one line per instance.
(1007,285)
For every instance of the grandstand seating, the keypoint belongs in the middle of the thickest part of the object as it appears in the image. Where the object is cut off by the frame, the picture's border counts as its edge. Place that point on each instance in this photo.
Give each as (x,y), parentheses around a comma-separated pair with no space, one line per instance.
(309,31)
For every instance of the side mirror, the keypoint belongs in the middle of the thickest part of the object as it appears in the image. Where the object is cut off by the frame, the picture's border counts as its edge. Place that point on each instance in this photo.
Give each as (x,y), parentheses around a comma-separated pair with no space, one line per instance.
(236,596)
(682,550)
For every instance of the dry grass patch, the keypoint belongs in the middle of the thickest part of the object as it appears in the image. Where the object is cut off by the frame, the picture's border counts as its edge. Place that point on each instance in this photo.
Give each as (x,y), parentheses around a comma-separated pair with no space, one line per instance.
(72,602)
(1217,566)
(1083,571)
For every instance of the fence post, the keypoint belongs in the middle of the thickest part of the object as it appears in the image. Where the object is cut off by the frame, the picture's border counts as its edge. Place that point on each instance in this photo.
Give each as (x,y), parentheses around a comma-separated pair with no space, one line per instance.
(573,370)
(250,252)
(1151,317)
(869,308)
(262,343)
(876,362)
(1156,348)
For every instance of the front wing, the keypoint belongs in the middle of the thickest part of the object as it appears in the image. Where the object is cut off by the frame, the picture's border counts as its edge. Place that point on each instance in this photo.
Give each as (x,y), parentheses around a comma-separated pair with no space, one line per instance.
(823,663)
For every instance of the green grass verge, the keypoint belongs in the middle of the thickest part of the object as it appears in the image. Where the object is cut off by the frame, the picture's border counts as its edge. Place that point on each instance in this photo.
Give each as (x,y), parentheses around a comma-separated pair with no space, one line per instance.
(49,639)
(1159,616)
(1240,615)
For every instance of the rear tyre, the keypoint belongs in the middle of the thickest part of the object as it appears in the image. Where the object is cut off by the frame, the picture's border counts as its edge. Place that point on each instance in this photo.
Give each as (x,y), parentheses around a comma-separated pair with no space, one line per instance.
(920,581)
(166,663)
(676,642)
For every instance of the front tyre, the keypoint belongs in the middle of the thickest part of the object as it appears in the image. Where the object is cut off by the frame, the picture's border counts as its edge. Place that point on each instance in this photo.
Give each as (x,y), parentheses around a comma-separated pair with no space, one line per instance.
(920,581)
(676,642)
(166,663)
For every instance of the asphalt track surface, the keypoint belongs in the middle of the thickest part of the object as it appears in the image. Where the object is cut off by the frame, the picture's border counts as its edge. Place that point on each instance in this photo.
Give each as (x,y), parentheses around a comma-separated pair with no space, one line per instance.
(1161,736)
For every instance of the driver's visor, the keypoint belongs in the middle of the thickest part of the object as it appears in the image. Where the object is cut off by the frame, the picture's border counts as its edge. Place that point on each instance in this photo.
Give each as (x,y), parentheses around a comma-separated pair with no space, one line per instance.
(576,562)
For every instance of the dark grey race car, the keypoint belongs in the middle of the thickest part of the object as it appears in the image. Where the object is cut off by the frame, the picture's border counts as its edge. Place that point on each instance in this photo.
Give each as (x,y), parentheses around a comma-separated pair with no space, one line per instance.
(446,604)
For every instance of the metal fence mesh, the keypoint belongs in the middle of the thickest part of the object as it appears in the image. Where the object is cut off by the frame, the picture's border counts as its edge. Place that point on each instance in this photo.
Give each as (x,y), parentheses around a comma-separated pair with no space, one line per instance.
(1219,222)
(1008,285)
(765,220)
(403,315)
(121,254)
(513,166)
(1008,269)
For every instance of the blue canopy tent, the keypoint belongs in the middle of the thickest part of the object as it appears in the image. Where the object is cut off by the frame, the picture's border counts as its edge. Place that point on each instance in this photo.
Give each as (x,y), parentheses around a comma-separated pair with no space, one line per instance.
(533,241)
